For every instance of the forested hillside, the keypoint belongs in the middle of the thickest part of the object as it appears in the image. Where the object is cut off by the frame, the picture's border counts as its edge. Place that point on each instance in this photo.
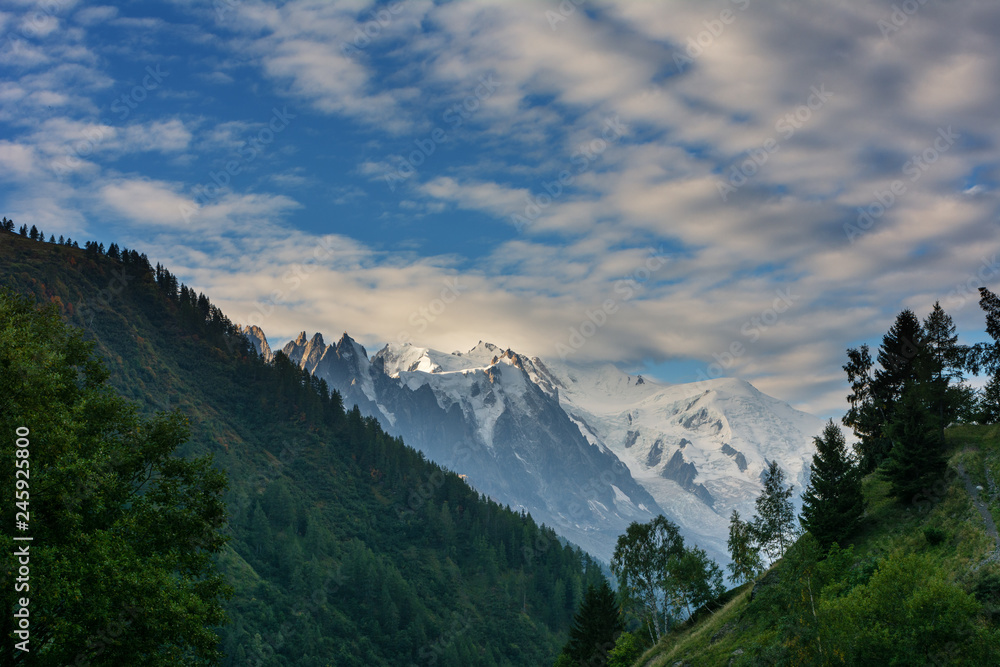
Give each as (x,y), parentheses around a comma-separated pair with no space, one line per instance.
(345,546)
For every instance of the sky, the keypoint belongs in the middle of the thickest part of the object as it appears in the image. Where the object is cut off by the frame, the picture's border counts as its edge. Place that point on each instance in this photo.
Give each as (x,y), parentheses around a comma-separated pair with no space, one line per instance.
(685,189)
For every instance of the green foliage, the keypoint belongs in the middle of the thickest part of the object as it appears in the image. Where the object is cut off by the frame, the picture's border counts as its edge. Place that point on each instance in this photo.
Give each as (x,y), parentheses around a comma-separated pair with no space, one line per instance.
(123,531)
(596,626)
(628,648)
(833,502)
(745,564)
(345,546)
(908,614)
(917,456)
(641,562)
(661,580)
(934,536)
(773,525)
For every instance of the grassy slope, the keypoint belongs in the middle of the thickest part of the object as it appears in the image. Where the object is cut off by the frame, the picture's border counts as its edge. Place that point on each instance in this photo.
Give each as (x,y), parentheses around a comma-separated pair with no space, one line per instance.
(734,632)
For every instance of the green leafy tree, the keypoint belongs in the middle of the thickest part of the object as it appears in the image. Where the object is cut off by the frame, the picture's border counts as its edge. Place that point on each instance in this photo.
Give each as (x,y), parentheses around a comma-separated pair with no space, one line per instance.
(908,614)
(640,562)
(123,531)
(774,524)
(628,648)
(595,628)
(833,502)
(745,564)
(694,580)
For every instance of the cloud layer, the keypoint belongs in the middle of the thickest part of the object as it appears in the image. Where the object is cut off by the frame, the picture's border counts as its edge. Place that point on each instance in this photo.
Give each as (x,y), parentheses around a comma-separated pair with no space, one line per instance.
(749,186)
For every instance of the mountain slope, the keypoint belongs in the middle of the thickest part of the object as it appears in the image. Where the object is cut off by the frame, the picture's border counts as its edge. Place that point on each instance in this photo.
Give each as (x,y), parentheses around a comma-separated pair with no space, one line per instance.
(520,427)
(481,415)
(347,547)
(920,584)
(700,449)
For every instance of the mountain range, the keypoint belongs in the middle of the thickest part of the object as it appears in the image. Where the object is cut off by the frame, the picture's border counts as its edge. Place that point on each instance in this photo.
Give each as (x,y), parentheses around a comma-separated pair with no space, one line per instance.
(585,449)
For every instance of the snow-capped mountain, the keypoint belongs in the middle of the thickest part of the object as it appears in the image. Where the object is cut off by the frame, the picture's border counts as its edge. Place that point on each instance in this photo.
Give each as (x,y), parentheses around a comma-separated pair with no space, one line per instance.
(700,449)
(583,449)
(481,414)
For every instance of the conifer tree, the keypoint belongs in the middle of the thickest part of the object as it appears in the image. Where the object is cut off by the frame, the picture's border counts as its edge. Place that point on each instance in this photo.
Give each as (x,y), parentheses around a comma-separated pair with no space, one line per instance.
(774,524)
(595,628)
(865,416)
(917,457)
(33,234)
(833,502)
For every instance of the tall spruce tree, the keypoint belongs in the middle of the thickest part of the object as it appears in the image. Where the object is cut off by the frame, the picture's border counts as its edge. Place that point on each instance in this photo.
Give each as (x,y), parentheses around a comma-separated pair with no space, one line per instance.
(917,458)
(774,524)
(833,502)
(595,628)
(744,553)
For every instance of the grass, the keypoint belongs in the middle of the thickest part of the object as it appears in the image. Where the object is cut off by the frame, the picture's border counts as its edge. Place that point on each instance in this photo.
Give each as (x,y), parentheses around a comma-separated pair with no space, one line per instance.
(736,635)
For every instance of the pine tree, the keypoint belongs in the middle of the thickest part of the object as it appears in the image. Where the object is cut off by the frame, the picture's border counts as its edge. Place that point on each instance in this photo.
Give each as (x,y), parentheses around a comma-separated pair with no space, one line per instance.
(33,234)
(596,626)
(988,410)
(743,550)
(917,457)
(774,523)
(865,416)
(833,502)
(941,365)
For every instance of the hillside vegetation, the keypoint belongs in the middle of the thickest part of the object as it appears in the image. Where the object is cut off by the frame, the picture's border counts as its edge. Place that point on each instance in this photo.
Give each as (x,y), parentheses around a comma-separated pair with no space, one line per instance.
(345,547)
(919,586)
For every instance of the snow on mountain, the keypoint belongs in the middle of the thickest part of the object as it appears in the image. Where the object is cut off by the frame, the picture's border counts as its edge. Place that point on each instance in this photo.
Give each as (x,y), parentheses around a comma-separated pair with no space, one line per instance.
(489,414)
(583,449)
(700,449)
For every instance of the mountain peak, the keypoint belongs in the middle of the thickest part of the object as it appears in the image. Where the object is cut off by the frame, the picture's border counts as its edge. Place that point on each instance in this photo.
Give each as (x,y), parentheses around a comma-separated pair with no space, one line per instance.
(301,339)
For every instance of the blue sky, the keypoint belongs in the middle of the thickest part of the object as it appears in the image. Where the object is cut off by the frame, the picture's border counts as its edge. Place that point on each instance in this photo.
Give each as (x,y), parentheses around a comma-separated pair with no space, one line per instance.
(733,187)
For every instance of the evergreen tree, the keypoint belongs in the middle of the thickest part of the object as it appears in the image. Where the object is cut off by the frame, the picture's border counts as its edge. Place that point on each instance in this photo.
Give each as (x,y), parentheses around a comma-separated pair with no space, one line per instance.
(897,355)
(774,524)
(744,553)
(865,416)
(988,410)
(833,502)
(941,365)
(917,457)
(595,628)
(33,234)
(24,230)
